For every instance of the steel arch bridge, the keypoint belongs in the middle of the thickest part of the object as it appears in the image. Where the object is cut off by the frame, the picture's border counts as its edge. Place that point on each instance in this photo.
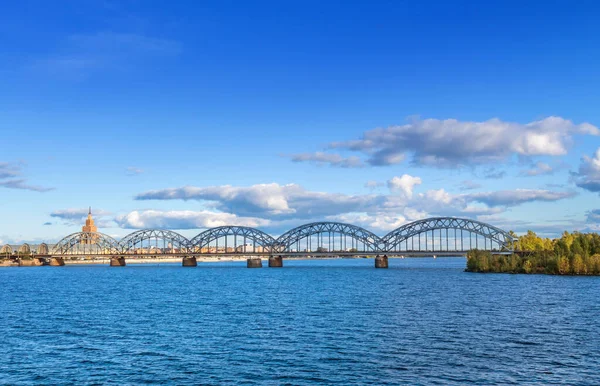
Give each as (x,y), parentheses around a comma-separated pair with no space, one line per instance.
(422,237)
(202,242)
(43,249)
(148,241)
(86,244)
(393,241)
(370,241)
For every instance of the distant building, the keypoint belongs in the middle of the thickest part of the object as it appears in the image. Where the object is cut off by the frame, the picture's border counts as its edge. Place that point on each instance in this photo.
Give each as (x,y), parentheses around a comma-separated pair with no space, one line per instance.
(249,248)
(89,227)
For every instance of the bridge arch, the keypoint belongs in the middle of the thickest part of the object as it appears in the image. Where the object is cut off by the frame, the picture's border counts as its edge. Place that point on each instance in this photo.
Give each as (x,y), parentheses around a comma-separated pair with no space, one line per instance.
(6,250)
(203,242)
(42,249)
(393,241)
(149,241)
(299,238)
(87,244)
(24,249)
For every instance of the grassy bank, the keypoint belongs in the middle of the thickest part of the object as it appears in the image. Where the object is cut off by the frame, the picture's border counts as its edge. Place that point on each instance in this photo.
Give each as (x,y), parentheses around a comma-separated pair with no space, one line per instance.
(571,254)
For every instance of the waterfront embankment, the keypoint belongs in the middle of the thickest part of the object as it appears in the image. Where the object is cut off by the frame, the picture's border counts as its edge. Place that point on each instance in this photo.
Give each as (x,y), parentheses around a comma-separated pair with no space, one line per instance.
(144,260)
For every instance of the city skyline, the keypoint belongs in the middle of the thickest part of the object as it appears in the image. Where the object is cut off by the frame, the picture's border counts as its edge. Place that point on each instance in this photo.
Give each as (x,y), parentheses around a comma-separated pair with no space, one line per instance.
(202,115)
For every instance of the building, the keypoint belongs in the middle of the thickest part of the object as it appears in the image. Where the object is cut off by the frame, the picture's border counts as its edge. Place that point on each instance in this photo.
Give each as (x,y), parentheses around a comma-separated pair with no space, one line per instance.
(89,227)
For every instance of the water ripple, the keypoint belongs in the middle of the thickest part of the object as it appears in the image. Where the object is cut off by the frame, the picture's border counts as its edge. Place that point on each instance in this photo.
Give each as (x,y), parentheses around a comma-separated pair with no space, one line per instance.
(423,321)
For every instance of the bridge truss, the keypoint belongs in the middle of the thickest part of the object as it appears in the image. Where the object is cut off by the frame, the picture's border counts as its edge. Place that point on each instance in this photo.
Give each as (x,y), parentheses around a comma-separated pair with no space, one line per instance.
(154,242)
(447,234)
(87,244)
(328,237)
(232,239)
(437,234)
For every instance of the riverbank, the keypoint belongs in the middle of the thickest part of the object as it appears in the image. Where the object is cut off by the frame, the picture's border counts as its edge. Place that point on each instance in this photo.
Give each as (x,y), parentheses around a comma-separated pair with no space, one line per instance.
(535,263)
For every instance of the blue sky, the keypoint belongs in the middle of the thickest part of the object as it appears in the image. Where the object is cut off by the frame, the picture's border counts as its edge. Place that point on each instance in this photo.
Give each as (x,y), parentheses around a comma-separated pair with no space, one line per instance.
(271,114)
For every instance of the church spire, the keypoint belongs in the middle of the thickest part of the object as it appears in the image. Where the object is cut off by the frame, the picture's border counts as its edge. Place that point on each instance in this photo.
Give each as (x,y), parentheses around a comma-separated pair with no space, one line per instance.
(90,212)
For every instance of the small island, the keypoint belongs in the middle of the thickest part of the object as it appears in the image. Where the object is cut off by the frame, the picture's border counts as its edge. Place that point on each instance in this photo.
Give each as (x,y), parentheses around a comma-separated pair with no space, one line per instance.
(571,254)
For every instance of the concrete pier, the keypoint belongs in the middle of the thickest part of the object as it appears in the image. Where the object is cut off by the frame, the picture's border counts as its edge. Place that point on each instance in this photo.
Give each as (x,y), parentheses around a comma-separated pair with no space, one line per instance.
(381,261)
(254,262)
(117,261)
(56,262)
(275,261)
(190,261)
(35,262)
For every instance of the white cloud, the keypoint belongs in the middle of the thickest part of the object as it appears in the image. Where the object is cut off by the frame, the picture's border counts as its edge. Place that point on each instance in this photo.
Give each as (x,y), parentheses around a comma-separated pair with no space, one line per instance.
(380,223)
(404,184)
(453,143)
(588,176)
(8,174)
(271,200)
(185,219)
(276,206)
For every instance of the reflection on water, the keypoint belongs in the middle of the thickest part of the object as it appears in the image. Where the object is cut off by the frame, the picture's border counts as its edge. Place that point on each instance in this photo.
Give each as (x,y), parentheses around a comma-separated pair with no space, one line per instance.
(326,321)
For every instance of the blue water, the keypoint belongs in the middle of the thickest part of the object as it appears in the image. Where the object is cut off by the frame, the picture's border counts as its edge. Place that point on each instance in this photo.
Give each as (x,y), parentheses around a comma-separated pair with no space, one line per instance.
(423,321)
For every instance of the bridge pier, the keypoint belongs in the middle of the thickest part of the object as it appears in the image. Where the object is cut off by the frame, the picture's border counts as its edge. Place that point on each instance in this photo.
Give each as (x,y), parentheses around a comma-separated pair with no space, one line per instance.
(275,261)
(56,262)
(254,262)
(35,262)
(117,261)
(381,261)
(190,261)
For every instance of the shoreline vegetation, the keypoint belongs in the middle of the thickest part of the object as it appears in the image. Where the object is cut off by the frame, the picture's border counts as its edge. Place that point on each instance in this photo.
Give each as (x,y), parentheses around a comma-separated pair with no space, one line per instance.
(571,254)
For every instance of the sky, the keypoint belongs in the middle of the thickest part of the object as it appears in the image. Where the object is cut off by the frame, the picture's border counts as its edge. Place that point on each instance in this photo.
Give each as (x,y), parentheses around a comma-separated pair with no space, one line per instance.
(187,115)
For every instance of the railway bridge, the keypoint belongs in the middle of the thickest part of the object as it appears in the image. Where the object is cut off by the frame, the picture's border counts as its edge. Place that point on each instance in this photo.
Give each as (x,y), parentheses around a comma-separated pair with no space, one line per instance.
(436,236)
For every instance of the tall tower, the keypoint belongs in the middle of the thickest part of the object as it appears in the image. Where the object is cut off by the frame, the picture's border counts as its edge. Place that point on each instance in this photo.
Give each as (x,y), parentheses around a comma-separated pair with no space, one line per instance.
(89,227)
(89,223)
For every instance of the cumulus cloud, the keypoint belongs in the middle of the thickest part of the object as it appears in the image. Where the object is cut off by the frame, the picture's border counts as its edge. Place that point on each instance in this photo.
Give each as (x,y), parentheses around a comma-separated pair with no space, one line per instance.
(539,169)
(321,158)
(588,176)
(404,184)
(273,199)
(185,219)
(278,206)
(376,223)
(453,143)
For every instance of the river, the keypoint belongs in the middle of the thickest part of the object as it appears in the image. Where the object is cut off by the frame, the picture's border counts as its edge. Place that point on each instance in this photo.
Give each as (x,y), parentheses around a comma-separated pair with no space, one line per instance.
(422,321)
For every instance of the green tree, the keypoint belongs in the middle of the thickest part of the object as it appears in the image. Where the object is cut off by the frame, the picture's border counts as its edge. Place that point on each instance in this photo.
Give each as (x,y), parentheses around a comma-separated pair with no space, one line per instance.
(577,264)
(563,265)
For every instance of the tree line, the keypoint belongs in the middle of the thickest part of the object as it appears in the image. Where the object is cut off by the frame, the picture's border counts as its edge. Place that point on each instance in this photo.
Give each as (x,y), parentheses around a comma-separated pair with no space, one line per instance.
(571,254)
